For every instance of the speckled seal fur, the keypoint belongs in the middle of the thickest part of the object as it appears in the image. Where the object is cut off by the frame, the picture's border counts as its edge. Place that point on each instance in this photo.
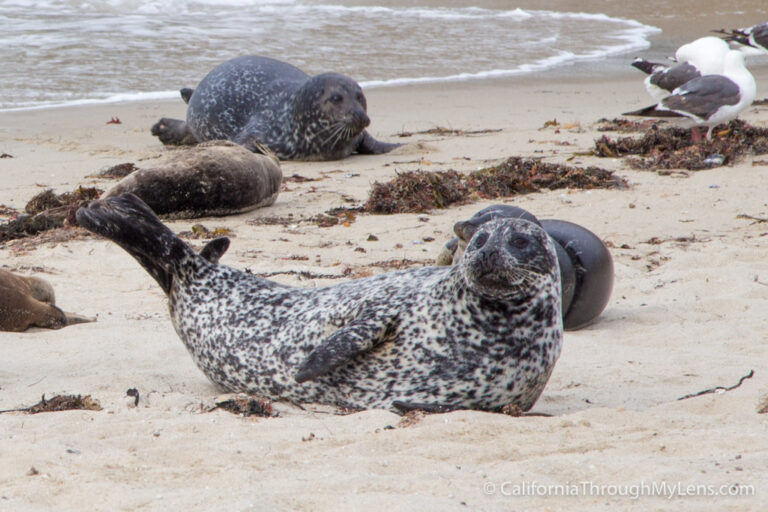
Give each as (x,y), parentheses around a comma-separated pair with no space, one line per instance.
(479,335)
(257,101)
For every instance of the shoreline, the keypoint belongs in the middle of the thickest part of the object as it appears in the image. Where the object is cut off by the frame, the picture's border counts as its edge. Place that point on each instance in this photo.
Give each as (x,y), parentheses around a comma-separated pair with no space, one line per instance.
(685,316)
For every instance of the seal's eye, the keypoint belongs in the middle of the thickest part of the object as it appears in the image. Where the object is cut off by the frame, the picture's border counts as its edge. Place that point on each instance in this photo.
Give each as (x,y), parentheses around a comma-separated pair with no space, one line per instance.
(360,98)
(480,240)
(519,242)
(336,99)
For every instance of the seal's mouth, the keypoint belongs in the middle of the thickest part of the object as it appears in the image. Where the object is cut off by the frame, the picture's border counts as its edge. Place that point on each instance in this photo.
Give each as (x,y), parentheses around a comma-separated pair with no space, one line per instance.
(493,280)
(358,120)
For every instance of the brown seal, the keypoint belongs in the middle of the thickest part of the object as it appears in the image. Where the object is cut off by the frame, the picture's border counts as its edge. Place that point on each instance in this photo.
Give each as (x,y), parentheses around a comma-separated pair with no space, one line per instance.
(211,179)
(30,301)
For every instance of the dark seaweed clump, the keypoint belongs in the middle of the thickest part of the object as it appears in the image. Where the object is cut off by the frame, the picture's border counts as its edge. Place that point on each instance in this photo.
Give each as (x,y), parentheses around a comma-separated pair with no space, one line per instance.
(247,406)
(61,403)
(420,191)
(673,147)
(626,125)
(47,200)
(47,210)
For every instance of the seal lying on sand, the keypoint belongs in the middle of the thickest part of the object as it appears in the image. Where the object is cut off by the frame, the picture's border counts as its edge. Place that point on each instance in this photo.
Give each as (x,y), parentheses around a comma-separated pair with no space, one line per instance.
(481,334)
(30,301)
(586,266)
(213,178)
(256,100)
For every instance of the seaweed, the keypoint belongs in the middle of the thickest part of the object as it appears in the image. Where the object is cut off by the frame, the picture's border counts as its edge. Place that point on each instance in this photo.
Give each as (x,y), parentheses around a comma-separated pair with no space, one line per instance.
(47,199)
(673,147)
(47,211)
(625,125)
(439,130)
(246,406)
(198,231)
(421,191)
(417,191)
(61,403)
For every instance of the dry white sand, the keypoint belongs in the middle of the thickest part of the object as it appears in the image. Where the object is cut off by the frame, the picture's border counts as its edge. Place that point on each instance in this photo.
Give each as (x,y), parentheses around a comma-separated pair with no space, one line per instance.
(687,313)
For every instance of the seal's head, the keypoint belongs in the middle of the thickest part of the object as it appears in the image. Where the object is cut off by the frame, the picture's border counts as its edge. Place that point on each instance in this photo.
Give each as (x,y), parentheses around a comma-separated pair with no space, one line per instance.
(333,104)
(509,259)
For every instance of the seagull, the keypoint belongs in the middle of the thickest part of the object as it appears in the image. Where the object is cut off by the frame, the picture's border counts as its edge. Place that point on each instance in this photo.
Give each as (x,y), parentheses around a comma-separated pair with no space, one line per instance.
(710,99)
(755,37)
(704,56)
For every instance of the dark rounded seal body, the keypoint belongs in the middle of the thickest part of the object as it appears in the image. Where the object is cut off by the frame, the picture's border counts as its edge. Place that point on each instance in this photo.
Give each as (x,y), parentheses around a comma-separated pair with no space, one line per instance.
(255,100)
(481,334)
(213,178)
(30,302)
(586,265)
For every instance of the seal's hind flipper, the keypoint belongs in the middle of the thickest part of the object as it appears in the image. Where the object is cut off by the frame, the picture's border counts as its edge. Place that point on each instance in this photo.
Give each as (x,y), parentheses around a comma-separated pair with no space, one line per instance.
(404,407)
(130,223)
(215,249)
(370,146)
(358,336)
(74,318)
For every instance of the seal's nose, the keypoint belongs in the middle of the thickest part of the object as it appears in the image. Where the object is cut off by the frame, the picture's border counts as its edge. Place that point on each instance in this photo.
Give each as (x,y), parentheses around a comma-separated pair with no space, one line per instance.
(359,118)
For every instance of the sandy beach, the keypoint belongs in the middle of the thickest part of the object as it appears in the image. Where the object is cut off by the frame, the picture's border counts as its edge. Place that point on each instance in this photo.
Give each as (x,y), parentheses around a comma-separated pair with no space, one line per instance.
(688,313)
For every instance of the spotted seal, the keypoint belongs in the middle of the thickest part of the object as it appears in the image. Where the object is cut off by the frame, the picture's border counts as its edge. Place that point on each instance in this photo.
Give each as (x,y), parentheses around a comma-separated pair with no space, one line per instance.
(254,100)
(213,178)
(586,265)
(481,334)
(28,301)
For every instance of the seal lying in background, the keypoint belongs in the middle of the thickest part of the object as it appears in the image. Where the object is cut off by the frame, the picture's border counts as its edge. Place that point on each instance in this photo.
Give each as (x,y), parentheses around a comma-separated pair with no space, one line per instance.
(30,302)
(586,266)
(479,335)
(256,101)
(213,178)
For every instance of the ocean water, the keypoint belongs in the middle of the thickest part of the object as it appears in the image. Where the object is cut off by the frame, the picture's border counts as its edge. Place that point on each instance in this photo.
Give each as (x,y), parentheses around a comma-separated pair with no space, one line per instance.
(58,52)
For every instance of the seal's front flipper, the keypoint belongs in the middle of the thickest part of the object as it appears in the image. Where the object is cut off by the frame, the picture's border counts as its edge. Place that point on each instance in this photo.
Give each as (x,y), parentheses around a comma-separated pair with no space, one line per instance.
(370,146)
(404,407)
(360,335)
(215,249)
(173,132)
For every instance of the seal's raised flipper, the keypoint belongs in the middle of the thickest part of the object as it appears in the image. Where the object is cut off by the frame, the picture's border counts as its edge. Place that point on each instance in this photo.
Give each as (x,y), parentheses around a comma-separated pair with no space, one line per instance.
(131,224)
(370,146)
(215,249)
(186,93)
(404,407)
(173,132)
(360,335)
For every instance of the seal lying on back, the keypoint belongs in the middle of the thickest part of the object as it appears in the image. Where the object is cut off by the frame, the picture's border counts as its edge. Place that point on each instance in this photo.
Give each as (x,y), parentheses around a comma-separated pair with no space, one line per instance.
(28,301)
(256,101)
(481,334)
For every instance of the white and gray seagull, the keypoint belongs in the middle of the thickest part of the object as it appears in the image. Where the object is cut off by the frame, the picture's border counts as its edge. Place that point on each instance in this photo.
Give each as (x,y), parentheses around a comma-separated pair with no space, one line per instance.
(704,56)
(710,99)
(752,38)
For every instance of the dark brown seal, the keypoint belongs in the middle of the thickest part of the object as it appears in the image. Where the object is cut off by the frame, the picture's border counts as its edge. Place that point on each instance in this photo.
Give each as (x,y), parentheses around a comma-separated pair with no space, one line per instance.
(30,302)
(211,179)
